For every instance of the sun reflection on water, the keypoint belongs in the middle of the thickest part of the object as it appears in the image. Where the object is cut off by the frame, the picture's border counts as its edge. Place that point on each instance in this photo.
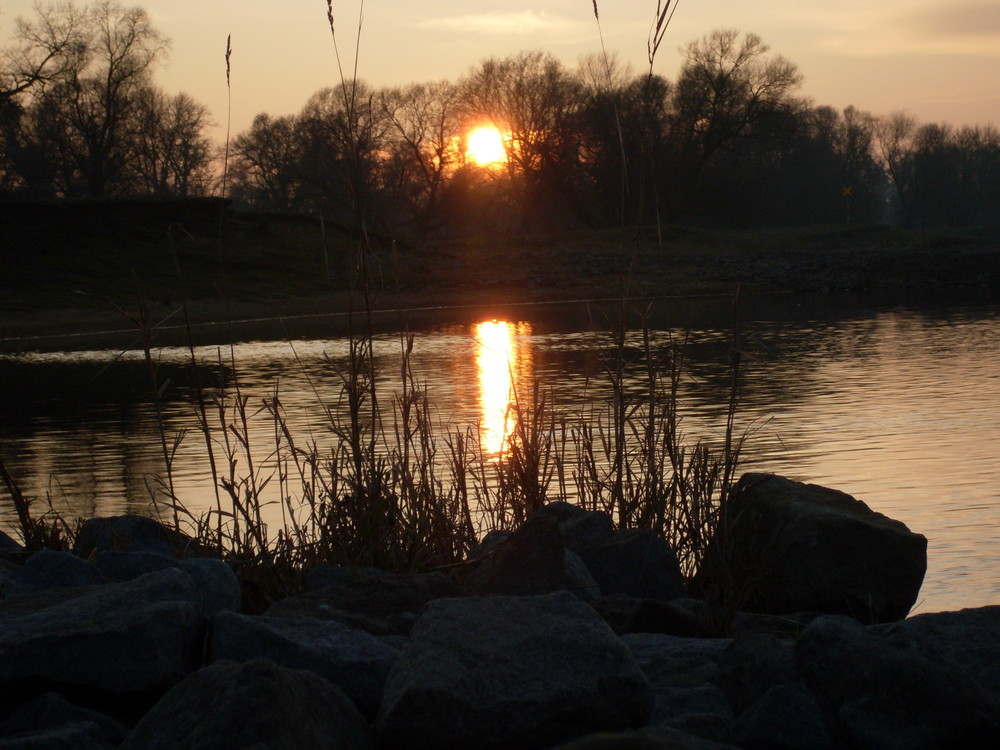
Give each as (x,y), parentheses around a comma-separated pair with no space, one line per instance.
(500,364)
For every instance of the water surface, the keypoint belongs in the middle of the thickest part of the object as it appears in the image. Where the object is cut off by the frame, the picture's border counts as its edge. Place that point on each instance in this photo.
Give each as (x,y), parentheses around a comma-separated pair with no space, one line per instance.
(896,405)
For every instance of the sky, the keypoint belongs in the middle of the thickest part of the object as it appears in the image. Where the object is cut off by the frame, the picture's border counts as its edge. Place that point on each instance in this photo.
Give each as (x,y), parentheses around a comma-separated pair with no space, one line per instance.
(939,61)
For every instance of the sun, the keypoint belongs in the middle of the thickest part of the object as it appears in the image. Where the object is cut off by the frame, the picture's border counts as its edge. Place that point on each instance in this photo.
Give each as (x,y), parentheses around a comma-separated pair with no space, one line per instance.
(484,146)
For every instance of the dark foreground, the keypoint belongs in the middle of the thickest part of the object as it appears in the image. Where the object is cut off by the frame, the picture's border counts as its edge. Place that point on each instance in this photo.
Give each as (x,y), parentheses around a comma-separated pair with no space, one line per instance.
(564,633)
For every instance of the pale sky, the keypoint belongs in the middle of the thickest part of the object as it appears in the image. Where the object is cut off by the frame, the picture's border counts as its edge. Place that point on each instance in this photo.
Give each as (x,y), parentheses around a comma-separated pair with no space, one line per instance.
(940,61)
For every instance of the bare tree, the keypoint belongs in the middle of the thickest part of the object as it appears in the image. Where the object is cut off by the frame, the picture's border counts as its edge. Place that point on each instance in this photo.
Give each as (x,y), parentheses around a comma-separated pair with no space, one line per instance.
(894,138)
(727,86)
(424,131)
(533,102)
(46,47)
(172,152)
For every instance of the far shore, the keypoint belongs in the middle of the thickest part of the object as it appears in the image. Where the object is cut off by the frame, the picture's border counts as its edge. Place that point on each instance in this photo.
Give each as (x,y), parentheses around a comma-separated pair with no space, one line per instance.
(69,289)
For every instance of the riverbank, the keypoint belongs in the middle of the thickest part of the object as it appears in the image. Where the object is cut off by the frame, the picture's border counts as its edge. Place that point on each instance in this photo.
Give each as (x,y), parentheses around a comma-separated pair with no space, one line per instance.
(79,279)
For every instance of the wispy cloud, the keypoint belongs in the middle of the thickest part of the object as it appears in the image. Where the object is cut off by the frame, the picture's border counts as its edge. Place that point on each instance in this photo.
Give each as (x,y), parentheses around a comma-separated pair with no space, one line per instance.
(962,20)
(521,23)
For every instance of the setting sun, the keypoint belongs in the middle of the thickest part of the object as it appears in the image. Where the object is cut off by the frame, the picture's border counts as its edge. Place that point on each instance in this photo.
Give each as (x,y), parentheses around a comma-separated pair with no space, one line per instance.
(485,147)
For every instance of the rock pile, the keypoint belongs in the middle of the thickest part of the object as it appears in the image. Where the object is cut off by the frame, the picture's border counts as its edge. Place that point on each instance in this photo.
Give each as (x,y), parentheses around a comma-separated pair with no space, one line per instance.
(565,634)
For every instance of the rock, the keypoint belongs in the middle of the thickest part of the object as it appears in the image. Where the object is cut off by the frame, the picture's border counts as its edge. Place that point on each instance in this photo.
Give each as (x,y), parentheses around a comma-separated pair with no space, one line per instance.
(501,672)
(672,702)
(384,605)
(124,566)
(579,581)
(230,706)
(787,717)
(134,637)
(49,569)
(662,657)
(626,614)
(9,544)
(654,738)
(77,736)
(325,574)
(51,711)
(752,665)
(131,533)
(530,561)
(355,661)
(787,547)
(967,641)
(878,690)
(638,563)
(582,530)
(217,584)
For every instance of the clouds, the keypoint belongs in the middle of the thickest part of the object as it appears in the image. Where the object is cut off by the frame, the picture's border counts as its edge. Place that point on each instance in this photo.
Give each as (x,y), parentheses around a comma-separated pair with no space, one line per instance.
(520,23)
(967,27)
(969,20)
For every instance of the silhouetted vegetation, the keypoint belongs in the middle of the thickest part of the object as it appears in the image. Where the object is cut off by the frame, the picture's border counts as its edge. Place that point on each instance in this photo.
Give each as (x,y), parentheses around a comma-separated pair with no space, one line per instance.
(730,141)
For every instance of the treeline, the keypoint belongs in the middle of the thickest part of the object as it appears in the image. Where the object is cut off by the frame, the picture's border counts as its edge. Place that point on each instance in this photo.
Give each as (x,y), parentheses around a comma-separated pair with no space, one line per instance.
(729,141)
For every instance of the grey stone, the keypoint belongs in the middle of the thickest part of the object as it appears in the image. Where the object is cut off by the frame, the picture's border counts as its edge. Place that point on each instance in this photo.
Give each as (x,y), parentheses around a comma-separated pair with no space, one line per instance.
(784,547)
(229,706)
(77,736)
(132,533)
(48,569)
(653,738)
(325,574)
(878,689)
(501,672)
(967,641)
(530,561)
(751,665)
(582,530)
(124,566)
(51,711)
(141,635)
(674,702)
(217,584)
(578,578)
(637,563)
(787,717)
(384,605)
(355,661)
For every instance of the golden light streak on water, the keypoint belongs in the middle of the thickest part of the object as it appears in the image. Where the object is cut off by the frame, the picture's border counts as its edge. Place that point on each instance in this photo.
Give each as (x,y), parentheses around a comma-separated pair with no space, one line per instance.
(496,363)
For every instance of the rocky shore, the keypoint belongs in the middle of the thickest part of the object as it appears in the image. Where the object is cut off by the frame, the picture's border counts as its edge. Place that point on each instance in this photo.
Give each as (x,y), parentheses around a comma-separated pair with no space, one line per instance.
(564,633)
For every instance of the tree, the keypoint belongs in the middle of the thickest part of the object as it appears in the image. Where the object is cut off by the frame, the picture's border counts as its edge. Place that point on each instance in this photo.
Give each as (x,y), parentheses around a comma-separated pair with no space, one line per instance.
(424,124)
(894,139)
(86,114)
(46,48)
(533,102)
(265,164)
(729,88)
(172,152)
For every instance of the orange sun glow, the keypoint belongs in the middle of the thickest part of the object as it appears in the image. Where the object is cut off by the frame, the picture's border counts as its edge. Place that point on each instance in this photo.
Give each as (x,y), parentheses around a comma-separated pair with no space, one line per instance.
(485,147)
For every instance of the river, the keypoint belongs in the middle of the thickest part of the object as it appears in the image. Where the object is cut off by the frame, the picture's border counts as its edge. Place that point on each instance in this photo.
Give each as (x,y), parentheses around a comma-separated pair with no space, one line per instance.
(896,404)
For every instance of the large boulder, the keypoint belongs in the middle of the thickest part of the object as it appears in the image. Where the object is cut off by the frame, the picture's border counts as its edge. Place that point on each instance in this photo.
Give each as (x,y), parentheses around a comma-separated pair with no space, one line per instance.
(49,569)
(382,605)
(132,533)
(880,689)
(230,706)
(582,530)
(967,641)
(50,716)
(784,547)
(638,563)
(501,672)
(134,637)
(355,661)
(530,561)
